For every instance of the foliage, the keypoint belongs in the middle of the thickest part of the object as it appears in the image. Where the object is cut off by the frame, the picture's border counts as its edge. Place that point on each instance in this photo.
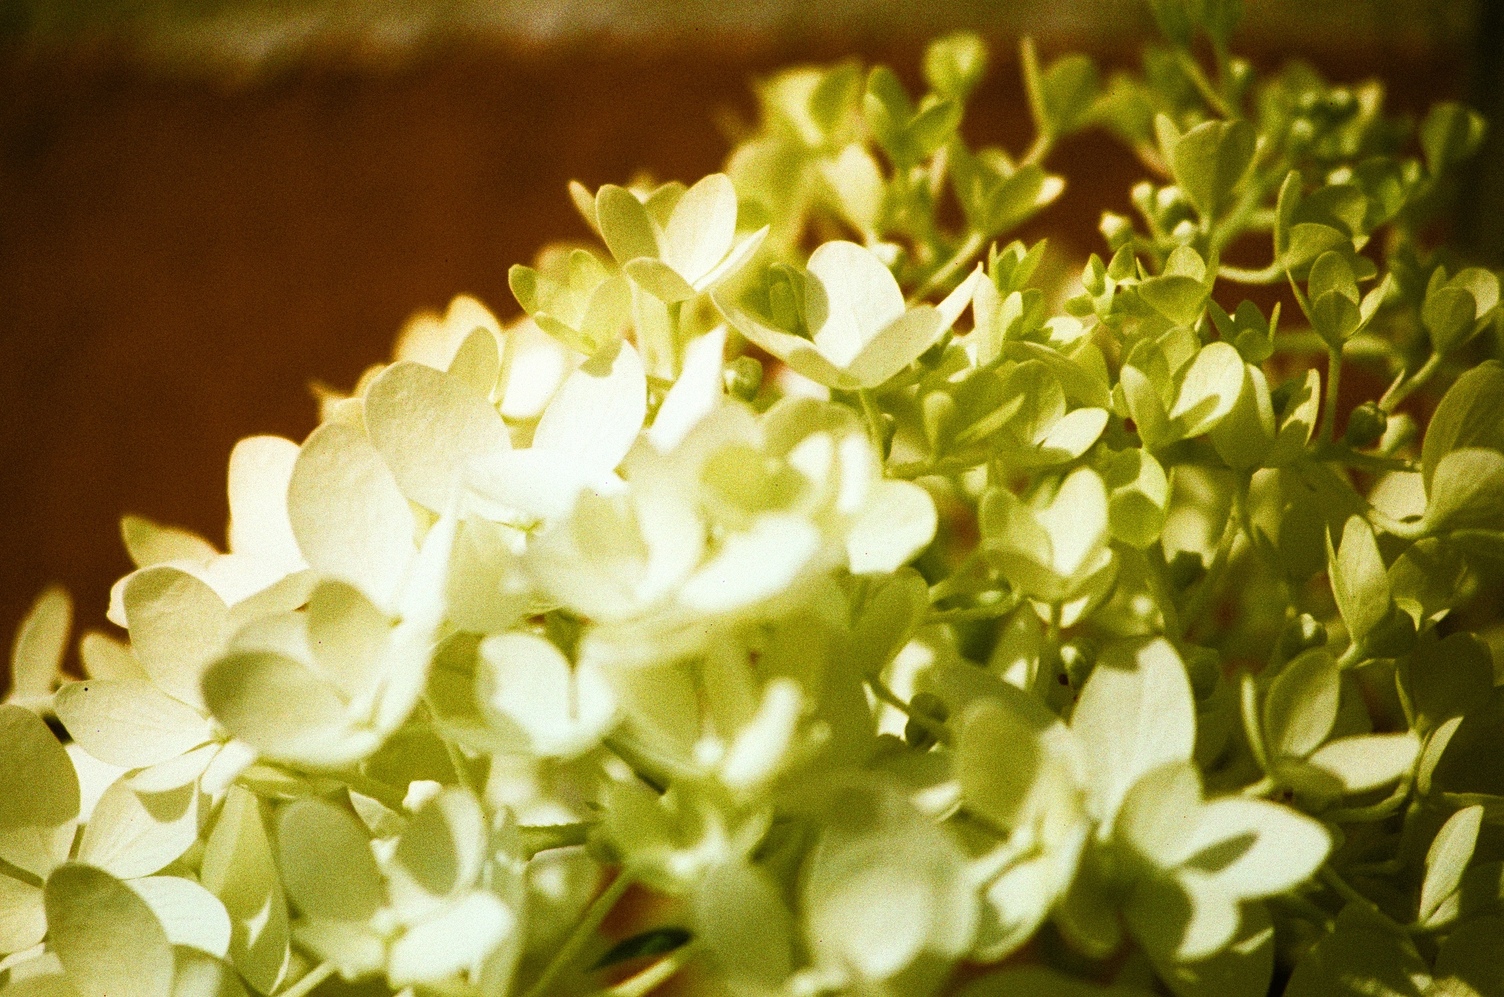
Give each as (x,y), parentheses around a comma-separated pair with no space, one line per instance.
(750,575)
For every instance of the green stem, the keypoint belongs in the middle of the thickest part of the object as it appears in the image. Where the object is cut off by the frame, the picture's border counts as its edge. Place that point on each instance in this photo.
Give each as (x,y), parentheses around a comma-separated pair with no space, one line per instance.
(989,612)
(654,976)
(921,468)
(1350,658)
(1333,387)
(968,251)
(1202,598)
(1262,788)
(1204,87)
(305,985)
(581,936)
(874,417)
(1340,454)
(543,837)
(935,727)
(1403,389)
(1241,275)
(1043,143)
(1253,729)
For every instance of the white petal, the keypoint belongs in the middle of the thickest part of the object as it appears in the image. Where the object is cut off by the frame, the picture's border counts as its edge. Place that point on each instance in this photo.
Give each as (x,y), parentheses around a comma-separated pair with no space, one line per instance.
(129,722)
(458,938)
(695,394)
(426,425)
(554,709)
(1135,714)
(351,520)
(753,565)
(597,413)
(260,468)
(178,625)
(861,295)
(136,834)
(700,230)
(190,914)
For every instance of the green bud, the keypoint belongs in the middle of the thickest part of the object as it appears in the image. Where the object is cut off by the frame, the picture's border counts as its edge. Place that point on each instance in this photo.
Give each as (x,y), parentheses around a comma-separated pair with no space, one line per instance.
(1186,569)
(743,378)
(932,357)
(955,64)
(1279,398)
(1392,637)
(1116,229)
(1301,634)
(939,413)
(916,732)
(1365,426)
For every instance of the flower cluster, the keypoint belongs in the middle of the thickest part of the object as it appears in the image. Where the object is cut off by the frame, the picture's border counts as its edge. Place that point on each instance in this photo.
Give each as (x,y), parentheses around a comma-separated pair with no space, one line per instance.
(860,602)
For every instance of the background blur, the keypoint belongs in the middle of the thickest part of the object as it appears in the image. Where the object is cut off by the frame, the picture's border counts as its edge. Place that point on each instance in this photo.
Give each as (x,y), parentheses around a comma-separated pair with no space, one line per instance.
(206,204)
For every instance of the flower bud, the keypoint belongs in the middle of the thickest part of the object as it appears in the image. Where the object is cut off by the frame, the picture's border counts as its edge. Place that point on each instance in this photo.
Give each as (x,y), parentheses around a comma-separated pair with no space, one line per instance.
(1186,569)
(918,734)
(1301,634)
(743,378)
(1365,426)
(939,411)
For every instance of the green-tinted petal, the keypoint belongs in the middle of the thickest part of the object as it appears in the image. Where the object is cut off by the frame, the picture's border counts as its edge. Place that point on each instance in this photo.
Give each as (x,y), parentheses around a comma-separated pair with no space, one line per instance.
(239,869)
(426,425)
(327,864)
(37,782)
(129,722)
(349,516)
(109,941)
(189,914)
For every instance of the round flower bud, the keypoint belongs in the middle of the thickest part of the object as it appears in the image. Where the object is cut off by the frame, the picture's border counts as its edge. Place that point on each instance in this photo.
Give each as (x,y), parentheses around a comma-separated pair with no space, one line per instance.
(1365,426)
(1186,569)
(1301,634)
(743,378)
(916,732)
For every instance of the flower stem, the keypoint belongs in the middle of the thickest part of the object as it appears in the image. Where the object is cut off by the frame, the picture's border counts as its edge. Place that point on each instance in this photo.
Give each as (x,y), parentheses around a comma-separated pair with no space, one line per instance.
(582,935)
(1333,387)
(659,972)
(1403,389)
(968,250)
(306,985)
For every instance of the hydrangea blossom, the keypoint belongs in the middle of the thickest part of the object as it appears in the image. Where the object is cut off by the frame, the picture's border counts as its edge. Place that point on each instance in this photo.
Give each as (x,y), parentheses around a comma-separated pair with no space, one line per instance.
(570,654)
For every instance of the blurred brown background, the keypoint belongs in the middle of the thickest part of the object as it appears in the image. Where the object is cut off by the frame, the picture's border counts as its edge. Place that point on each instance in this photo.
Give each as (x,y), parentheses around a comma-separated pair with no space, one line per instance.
(205,205)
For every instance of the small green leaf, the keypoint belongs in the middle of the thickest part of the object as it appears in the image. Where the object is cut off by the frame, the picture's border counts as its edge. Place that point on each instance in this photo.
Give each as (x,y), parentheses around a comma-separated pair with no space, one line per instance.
(1447,858)
(1209,162)
(1302,704)
(655,941)
(955,64)
(109,941)
(1467,491)
(1470,414)
(1359,580)
(1450,134)
(1366,762)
